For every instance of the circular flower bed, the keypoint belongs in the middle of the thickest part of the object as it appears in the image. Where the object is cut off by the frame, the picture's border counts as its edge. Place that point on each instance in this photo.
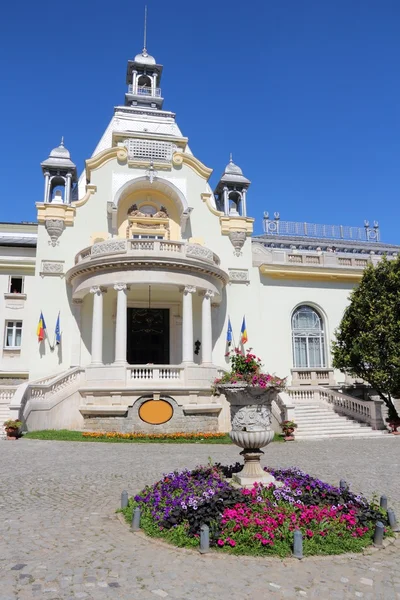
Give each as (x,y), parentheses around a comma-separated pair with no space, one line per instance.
(257,521)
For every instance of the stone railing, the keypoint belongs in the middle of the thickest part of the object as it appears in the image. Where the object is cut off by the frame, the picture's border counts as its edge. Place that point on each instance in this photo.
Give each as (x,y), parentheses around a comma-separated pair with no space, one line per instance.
(149,374)
(42,391)
(364,411)
(147,248)
(301,258)
(6,395)
(286,407)
(313,376)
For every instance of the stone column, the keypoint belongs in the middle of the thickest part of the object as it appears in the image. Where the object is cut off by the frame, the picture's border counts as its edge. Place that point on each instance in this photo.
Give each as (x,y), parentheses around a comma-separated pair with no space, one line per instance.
(121,323)
(187,324)
(46,186)
(134,82)
(97,325)
(244,207)
(206,328)
(153,84)
(67,197)
(226,201)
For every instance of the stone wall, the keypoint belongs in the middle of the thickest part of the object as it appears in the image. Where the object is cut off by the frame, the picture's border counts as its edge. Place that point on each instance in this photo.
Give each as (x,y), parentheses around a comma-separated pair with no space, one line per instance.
(202,422)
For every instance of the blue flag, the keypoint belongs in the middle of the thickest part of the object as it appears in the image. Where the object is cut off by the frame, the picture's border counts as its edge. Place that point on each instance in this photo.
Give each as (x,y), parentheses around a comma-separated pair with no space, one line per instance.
(58,330)
(229,332)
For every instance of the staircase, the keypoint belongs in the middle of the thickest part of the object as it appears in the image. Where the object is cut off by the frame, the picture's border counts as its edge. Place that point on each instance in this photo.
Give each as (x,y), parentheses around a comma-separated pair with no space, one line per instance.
(317,419)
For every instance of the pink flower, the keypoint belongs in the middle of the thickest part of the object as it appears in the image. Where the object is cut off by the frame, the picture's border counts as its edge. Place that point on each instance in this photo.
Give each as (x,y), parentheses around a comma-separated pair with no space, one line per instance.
(220,542)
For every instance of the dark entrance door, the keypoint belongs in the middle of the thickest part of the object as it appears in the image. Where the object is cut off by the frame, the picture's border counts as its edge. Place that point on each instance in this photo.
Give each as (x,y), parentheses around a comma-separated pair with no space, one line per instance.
(148,336)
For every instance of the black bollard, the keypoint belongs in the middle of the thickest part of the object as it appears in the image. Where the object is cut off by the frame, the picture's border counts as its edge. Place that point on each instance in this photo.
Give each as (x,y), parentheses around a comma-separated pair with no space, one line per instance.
(392,520)
(124,499)
(136,519)
(378,534)
(298,544)
(343,485)
(204,539)
(383,502)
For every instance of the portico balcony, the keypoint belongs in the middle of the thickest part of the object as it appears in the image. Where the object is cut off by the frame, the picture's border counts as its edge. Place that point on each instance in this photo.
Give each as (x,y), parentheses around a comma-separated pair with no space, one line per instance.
(147,248)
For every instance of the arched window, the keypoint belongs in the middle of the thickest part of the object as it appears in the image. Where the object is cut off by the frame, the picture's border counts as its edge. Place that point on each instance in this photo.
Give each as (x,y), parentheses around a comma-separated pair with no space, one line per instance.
(308,338)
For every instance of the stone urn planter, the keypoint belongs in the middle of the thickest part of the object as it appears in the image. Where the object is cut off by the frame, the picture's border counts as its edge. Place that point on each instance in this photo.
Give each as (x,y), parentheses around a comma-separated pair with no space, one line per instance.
(251,427)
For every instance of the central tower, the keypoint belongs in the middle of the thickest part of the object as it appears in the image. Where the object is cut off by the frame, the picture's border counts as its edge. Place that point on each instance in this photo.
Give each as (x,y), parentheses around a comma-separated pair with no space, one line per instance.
(143,78)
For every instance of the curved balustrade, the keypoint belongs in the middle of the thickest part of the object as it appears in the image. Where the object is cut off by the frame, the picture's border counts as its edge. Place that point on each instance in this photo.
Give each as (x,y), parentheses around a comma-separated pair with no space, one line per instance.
(147,247)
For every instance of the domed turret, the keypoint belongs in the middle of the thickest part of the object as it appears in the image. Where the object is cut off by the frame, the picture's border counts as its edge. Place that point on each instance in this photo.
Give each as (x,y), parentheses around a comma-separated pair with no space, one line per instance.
(60,175)
(231,190)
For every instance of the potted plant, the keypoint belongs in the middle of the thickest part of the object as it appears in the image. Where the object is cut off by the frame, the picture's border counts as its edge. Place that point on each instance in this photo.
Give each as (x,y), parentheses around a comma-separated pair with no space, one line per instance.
(393,422)
(250,393)
(12,428)
(288,428)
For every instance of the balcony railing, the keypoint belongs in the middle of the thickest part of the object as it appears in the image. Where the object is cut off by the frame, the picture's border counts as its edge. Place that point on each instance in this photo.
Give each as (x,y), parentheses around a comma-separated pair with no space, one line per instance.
(278,228)
(147,248)
(150,374)
(144,91)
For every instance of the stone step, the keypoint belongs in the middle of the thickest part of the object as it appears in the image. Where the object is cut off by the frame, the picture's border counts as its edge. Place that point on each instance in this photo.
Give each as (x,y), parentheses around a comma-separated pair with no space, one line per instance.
(360,434)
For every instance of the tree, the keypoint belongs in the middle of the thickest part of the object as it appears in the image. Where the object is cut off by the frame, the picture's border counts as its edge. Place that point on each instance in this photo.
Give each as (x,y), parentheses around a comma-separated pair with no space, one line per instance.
(368,339)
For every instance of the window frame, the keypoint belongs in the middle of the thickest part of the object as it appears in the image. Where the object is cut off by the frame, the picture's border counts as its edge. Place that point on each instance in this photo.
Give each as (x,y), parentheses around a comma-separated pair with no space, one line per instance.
(307,335)
(14,334)
(11,277)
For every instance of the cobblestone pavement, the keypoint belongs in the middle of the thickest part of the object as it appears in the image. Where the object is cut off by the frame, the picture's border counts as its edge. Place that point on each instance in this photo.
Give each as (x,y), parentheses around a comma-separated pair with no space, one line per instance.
(60,538)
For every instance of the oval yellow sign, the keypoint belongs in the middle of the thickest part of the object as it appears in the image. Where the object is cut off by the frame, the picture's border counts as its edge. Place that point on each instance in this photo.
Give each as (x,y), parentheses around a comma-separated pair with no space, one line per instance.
(156,412)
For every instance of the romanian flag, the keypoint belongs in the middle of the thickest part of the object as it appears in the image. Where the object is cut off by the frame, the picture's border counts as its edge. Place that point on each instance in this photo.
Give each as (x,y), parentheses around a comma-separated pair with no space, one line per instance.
(41,328)
(243,332)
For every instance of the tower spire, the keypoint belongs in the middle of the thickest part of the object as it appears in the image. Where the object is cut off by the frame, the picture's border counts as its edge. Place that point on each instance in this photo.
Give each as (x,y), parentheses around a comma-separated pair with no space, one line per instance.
(230,157)
(144,51)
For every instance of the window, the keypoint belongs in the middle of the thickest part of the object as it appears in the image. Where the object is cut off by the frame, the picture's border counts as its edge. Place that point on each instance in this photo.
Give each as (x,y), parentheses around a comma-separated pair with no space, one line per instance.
(13,334)
(16,285)
(308,338)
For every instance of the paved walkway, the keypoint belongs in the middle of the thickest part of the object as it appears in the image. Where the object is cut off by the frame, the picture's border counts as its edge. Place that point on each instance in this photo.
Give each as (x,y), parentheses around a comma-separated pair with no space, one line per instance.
(60,538)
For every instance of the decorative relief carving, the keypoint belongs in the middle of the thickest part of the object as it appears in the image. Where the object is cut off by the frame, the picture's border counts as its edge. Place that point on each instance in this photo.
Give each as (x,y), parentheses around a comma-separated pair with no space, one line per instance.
(119,287)
(209,294)
(239,276)
(254,417)
(96,289)
(108,247)
(52,267)
(199,252)
(237,239)
(54,228)
(189,289)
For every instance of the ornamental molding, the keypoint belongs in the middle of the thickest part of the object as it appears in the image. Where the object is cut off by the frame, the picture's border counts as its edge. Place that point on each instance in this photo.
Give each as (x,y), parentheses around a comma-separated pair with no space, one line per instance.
(14,306)
(52,267)
(120,287)
(239,276)
(108,247)
(96,289)
(90,190)
(180,158)
(199,251)
(54,228)
(207,200)
(238,223)
(237,239)
(49,211)
(118,152)
(189,289)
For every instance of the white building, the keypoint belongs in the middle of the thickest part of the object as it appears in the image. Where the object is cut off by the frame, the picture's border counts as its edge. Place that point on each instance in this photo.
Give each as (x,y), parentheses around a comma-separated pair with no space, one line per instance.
(144,263)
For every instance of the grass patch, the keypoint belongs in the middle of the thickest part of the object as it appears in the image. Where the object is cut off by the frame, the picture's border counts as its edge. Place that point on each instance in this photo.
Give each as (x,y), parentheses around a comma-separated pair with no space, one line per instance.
(65,435)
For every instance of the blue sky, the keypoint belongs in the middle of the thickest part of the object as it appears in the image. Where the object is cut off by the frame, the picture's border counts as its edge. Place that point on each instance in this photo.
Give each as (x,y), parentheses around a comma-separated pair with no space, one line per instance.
(305,93)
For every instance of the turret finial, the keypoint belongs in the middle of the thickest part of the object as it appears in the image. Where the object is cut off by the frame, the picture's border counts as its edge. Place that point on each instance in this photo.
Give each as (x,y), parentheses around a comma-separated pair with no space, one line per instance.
(62,141)
(144,51)
(230,157)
